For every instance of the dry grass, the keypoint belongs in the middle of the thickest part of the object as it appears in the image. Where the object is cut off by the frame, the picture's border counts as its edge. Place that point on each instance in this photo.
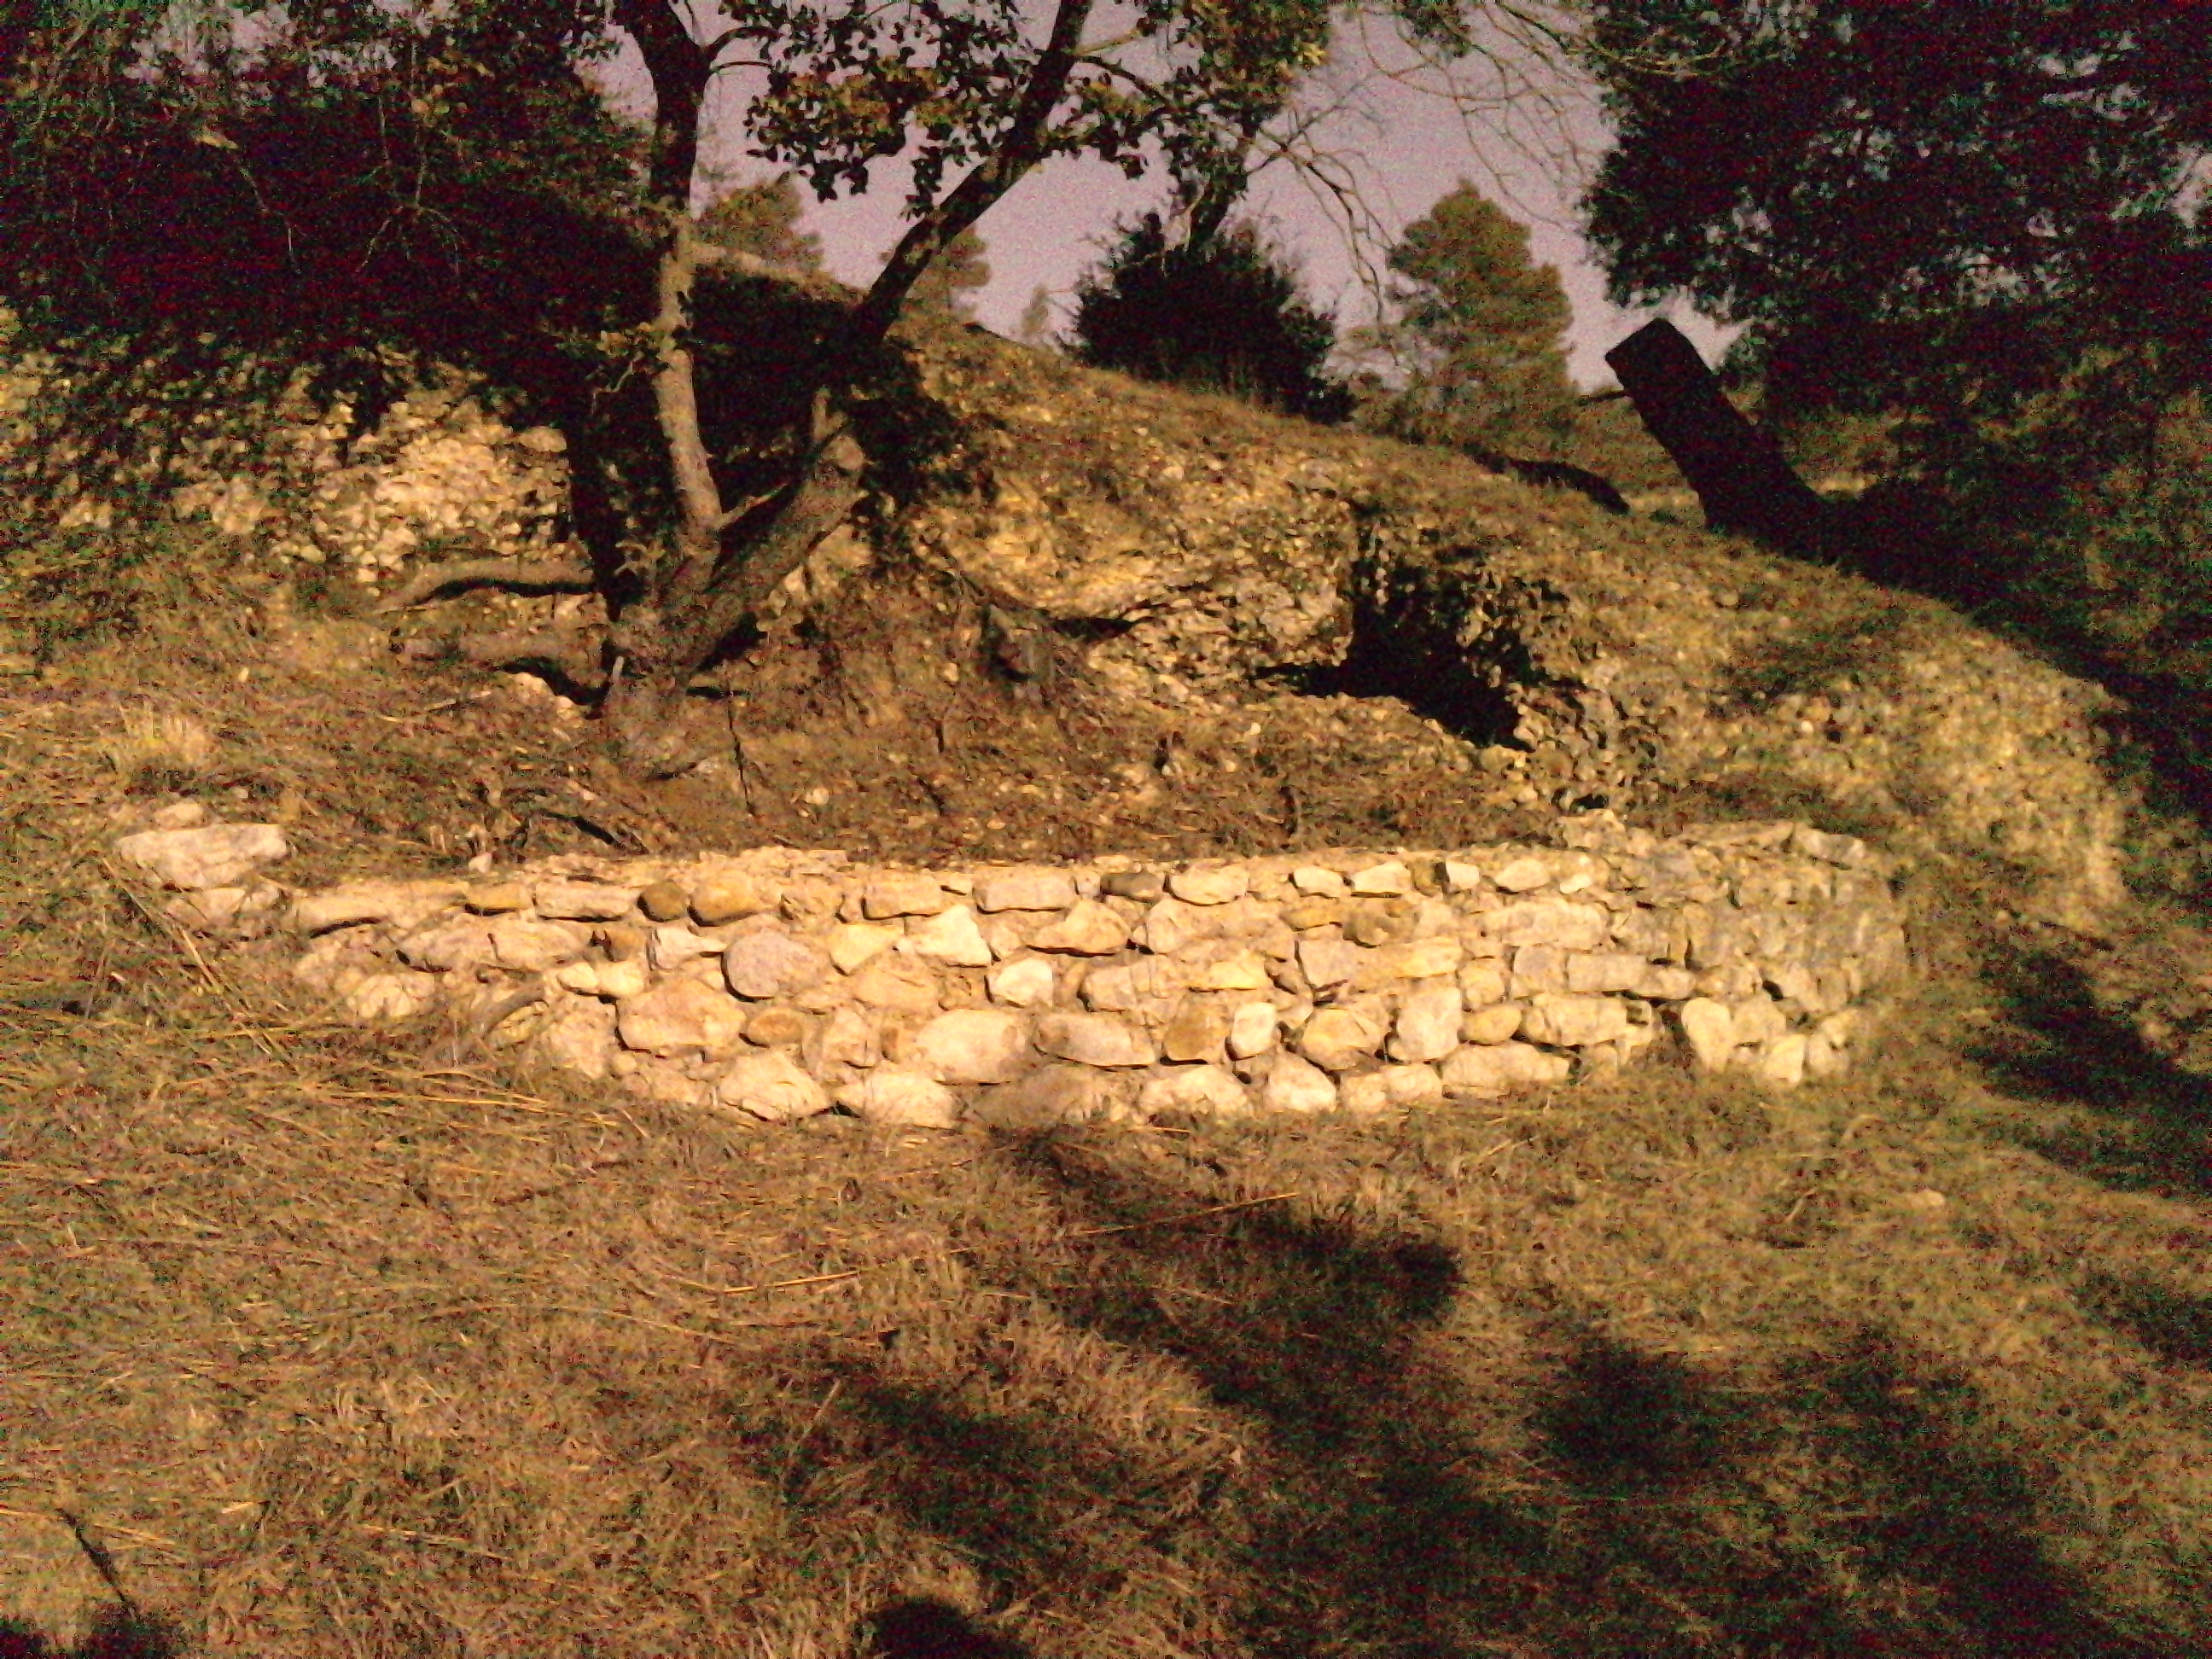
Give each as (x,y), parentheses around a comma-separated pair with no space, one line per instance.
(350,1344)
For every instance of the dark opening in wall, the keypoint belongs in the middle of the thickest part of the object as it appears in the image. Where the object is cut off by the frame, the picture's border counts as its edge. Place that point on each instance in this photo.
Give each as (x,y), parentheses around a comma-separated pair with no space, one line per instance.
(1416,637)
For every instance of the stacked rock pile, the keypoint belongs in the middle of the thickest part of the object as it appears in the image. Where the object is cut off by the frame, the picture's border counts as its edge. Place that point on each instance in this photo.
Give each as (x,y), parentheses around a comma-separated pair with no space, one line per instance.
(778,983)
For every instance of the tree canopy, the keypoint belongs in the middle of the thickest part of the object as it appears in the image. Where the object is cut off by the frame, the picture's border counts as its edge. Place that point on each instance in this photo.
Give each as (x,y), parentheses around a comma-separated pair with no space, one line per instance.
(1936,204)
(1474,331)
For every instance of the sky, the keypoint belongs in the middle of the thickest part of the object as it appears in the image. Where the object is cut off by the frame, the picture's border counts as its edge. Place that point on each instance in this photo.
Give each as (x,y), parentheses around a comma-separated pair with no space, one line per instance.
(1522,135)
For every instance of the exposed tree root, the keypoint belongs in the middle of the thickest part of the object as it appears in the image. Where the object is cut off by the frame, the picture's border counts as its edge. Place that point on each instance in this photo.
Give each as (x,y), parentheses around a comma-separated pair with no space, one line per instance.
(574,656)
(542,575)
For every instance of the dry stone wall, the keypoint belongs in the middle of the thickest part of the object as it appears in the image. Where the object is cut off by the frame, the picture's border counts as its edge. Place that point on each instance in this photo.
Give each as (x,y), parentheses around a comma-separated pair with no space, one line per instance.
(776,984)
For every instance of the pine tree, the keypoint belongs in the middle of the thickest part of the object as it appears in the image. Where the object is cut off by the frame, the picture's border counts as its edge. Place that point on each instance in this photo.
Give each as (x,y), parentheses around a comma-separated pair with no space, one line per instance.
(1474,333)
(953,282)
(762,219)
(1224,315)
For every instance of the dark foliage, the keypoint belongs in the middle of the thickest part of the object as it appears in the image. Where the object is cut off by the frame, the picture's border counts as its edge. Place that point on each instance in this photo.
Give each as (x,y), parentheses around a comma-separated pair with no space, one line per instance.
(1224,315)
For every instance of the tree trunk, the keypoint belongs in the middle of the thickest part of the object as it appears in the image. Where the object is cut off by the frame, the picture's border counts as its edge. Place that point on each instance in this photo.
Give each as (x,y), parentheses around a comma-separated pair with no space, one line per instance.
(1744,484)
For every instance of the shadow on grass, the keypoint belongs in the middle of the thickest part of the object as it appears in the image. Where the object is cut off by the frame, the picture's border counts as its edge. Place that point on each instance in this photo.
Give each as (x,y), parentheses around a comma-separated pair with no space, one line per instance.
(2063,1046)
(918,1628)
(116,1632)
(2173,1324)
(1382,1502)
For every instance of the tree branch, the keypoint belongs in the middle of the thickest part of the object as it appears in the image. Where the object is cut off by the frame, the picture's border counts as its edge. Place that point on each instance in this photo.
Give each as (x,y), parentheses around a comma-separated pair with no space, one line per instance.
(1021,147)
(559,575)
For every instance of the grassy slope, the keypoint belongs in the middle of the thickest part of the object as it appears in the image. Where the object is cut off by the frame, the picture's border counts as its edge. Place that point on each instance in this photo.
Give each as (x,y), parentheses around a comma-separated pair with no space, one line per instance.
(355,1344)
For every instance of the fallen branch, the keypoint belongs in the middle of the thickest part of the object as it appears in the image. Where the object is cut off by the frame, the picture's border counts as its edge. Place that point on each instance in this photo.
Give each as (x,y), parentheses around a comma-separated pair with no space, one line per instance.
(549,575)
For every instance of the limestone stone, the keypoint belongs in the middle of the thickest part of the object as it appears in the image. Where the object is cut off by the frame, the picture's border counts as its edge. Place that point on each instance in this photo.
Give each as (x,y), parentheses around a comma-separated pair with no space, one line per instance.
(680,1016)
(1377,921)
(1252,1030)
(1570,1022)
(971,1045)
(891,1097)
(579,1036)
(1462,878)
(181,815)
(1169,925)
(527,945)
(1497,1024)
(603,978)
(848,1037)
(218,855)
(1603,971)
(1050,1095)
(1499,1069)
(1394,1086)
(1317,912)
(443,944)
(770,962)
(1660,983)
(1846,850)
(1024,982)
(1338,1039)
(1385,880)
(1757,1019)
(243,912)
(852,943)
(401,903)
(730,895)
(1209,884)
(378,999)
(769,1085)
(1433,957)
(1782,1060)
(1093,1040)
(1561,922)
(1238,970)
(1524,874)
(1481,983)
(1710,1029)
(582,901)
(620,941)
(662,1083)
(1537,968)
(669,948)
(1144,886)
(1089,929)
(1428,1024)
(1320,882)
(1201,1089)
(663,901)
(1824,1058)
(1326,961)
(1026,890)
(498,898)
(1296,1085)
(1118,988)
(951,937)
(1196,1032)
(898,893)
(777,1026)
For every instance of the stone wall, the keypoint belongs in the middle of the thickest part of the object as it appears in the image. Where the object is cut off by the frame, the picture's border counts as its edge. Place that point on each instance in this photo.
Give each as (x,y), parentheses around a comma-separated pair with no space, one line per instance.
(778,983)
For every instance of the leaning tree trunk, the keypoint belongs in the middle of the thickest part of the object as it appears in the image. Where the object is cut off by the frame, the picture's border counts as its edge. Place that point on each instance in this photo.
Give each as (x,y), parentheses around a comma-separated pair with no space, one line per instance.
(1743,481)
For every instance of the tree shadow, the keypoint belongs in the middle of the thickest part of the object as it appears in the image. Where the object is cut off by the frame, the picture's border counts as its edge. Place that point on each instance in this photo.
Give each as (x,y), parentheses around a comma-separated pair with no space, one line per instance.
(2171,1323)
(920,1628)
(2062,1045)
(115,1632)
(1384,1501)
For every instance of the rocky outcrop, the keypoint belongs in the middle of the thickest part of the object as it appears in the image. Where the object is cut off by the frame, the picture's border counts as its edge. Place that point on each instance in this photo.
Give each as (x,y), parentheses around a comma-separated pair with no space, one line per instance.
(776,984)
(1187,549)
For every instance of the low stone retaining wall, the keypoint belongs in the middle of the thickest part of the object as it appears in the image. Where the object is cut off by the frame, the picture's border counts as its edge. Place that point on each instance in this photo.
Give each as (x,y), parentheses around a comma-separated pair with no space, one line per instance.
(778,983)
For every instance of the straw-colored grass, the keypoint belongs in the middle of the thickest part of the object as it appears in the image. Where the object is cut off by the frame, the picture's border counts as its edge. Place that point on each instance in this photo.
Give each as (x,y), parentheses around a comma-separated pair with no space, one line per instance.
(355,1344)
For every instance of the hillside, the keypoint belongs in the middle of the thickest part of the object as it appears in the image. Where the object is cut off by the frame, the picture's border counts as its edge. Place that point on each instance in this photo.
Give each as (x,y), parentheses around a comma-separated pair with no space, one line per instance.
(344,1338)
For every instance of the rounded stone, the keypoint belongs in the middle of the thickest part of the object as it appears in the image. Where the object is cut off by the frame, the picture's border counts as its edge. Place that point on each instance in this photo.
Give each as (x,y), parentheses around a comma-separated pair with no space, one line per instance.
(1210,884)
(663,901)
(1338,1039)
(681,1017)
(729,896)
(971,1045)
(771,964)
(1204,1089)
(771,1087)
(1295,1084)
